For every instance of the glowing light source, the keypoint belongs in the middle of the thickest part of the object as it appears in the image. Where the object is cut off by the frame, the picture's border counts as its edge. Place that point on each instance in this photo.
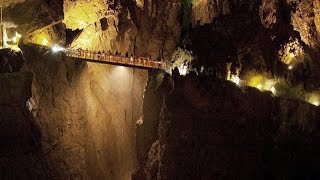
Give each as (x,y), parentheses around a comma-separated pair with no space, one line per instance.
(273,90)
(122,68)
(290,67)
(122,75)
(255,80)
(314,99)
(235,79)
(16,38)
(316,103)
(5,39)
(45,42)
(259,87)
(183,69)
(57,48)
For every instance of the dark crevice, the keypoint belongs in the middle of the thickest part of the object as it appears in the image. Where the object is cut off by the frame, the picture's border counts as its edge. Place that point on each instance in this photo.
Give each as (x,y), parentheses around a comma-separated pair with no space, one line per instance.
(72,35)
(104,23)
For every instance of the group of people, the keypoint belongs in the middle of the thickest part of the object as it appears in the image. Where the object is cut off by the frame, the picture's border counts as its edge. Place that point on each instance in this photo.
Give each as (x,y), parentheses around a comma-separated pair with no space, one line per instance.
(109,53)
(131,58)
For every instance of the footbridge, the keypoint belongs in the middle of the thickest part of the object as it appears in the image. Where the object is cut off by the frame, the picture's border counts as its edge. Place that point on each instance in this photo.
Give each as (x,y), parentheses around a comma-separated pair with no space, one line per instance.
(115,59)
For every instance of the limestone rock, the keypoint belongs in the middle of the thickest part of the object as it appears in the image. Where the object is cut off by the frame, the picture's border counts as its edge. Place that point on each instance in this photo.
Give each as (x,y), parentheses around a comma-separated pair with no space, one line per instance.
(10,60)
(31,15)
(204,11)
(269,13)
(86,114)
(123,27)
(303,21)
(211,129)
(21,155)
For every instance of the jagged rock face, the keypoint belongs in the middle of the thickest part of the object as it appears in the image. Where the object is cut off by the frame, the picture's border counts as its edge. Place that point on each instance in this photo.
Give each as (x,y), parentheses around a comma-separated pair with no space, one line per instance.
(303,21)
(153,29)
(86,114)
(159,28)
(211,129)
(204,11)
(99,21)
(36,20)
(10,61)
(86,111)
(269,13)
(224,36)
(252,32)
(21,155)
(147,126)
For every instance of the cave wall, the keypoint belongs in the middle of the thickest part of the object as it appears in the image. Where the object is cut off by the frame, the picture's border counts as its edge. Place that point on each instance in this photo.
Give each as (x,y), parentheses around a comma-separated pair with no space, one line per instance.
(86,114)
(251,35)
(21,153)
(212,129)
(36,20)
(149,30)
(248,35)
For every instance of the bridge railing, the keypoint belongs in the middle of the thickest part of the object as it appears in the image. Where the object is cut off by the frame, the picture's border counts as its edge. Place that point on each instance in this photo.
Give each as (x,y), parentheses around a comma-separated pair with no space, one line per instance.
(106,57)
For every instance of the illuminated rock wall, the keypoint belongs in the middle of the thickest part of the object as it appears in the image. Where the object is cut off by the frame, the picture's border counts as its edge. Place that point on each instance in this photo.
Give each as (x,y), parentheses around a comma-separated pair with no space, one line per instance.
(86,113)
(34,18)
(153,30)
(203,11)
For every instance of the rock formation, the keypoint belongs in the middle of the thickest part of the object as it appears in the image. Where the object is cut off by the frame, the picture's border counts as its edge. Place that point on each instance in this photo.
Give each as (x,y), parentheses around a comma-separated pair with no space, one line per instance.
(10,61)
(21,153)
(208,129)
(63,118)
(86,113)
(151,30)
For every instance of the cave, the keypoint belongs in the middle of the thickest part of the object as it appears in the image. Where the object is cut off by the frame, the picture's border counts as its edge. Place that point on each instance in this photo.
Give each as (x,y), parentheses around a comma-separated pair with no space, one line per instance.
(159,89)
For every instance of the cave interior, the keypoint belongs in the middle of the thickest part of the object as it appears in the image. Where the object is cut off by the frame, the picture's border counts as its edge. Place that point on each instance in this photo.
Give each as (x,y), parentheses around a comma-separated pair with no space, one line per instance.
(159,89)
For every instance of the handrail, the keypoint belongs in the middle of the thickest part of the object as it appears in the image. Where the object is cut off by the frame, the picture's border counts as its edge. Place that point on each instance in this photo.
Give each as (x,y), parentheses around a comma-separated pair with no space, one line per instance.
(117,59)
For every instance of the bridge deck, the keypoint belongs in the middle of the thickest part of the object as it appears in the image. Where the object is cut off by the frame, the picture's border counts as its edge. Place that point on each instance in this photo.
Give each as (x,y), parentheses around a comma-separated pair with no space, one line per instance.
(115,59)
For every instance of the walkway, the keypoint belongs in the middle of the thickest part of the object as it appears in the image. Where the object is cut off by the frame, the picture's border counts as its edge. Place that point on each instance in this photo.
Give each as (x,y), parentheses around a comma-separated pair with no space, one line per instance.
(101,57)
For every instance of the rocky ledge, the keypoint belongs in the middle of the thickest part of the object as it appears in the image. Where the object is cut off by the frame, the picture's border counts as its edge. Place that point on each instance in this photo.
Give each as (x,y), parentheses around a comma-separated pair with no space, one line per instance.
(207,128)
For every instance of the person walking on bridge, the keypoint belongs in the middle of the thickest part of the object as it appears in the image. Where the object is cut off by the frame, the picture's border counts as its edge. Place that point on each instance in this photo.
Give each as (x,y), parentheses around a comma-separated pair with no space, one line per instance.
(131,59)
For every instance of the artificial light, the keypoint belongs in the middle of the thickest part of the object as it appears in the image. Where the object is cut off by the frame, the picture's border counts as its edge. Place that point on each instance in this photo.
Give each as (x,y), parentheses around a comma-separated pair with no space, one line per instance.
(259,87)
(45,42)
(57,48)
(273,90)
(316,103)
(235,79)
